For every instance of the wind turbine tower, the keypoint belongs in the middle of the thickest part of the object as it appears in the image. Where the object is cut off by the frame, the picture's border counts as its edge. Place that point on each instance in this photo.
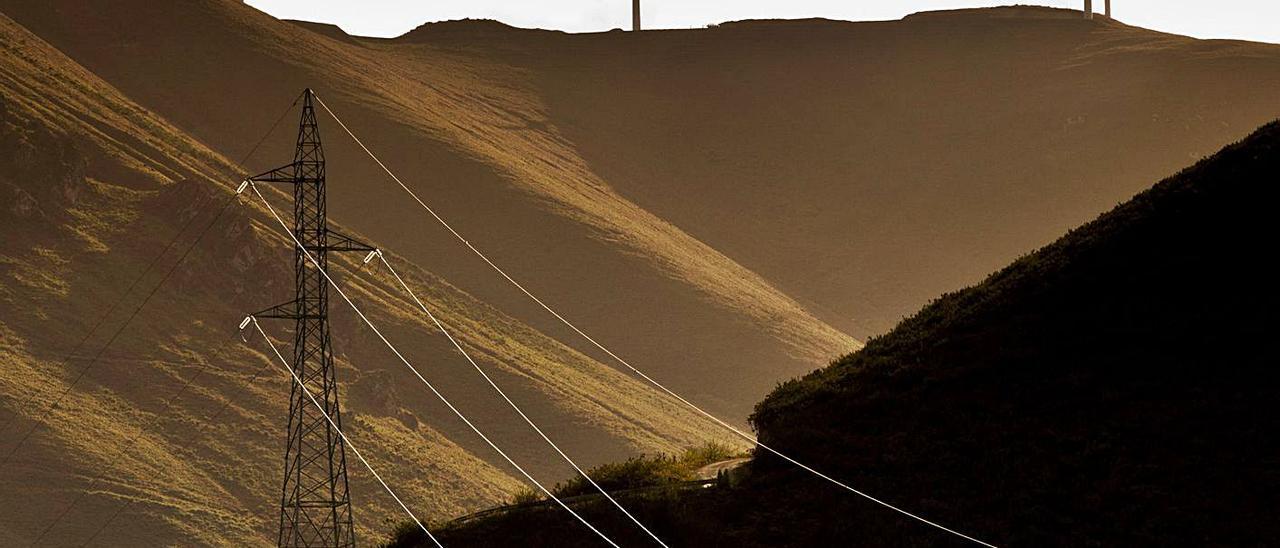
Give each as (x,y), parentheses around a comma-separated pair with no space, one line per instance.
(635,15)
(1088,9)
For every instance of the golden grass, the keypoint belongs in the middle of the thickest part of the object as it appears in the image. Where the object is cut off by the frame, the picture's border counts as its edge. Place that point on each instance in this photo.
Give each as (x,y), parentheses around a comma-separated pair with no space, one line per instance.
(601,395)
(488,113)
(215,483)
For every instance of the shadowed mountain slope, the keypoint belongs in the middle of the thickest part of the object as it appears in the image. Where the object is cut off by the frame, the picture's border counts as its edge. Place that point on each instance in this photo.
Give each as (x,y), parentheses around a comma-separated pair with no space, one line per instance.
(1114,388)
(1110,389)
(865,167)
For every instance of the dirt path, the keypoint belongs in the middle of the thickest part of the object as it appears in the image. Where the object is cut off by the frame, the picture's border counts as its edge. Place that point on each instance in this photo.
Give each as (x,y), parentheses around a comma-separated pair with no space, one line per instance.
(710,471)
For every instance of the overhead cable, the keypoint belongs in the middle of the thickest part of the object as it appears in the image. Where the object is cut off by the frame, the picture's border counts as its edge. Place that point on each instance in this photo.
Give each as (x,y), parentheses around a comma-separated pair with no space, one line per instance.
(284,364)
(736,431)
(513,405)
(311,258)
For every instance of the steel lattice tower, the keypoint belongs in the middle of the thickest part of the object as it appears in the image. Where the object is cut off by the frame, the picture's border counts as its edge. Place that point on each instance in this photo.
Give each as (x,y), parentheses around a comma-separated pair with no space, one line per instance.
(315,503)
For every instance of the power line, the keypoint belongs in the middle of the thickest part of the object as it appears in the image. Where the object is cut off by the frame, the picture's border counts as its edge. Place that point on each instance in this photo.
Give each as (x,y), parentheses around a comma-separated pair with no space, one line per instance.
(96,357)
(626,364)
(302,386)
(513,405)
(117,333)
(84,370)
(124,449)
(94,328)
(433,389)
(211,420)
(116,304)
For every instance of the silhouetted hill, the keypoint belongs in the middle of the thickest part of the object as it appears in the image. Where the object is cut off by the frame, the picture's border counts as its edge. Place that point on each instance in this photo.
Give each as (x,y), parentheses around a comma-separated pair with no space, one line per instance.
(1115,388)
(324,29)
(470,31)
(1001,12)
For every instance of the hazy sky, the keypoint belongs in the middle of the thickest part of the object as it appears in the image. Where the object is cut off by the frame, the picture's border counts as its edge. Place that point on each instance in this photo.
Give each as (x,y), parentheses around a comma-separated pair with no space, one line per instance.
(1246,19)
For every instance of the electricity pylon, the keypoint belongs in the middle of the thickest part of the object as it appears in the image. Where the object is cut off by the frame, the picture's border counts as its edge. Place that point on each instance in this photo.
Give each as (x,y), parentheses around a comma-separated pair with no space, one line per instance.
(315,502)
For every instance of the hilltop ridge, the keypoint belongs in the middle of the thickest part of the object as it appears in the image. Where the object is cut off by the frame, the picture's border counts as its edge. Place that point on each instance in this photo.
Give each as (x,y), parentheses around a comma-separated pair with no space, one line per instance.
(325,29)
(460,29)
(1019,11)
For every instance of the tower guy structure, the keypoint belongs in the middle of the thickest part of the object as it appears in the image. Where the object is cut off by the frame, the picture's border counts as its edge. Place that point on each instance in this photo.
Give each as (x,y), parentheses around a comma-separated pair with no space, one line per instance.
(315,502)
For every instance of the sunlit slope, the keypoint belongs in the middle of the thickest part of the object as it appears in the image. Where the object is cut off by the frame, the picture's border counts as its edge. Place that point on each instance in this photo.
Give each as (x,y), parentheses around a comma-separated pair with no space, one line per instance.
(94,186)
(865,167)
(474,137)
(97,185)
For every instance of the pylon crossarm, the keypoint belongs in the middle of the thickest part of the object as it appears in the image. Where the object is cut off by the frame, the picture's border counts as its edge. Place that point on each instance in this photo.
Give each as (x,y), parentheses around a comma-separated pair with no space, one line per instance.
(336,241)
(283,174)
(341,242)
(282,311)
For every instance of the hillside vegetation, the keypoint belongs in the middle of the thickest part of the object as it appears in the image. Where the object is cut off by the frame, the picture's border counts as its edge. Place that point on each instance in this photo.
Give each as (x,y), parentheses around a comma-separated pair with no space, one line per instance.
(1115,388)
(725,208)
(738,203)
(474,138)
(93,187)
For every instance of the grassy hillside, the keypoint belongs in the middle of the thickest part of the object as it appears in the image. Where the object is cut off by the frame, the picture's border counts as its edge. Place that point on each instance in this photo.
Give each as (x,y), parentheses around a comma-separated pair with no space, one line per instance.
(474,137)
(1114,388)
(724,207)
(863,168)
(93,187)
(729,203)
